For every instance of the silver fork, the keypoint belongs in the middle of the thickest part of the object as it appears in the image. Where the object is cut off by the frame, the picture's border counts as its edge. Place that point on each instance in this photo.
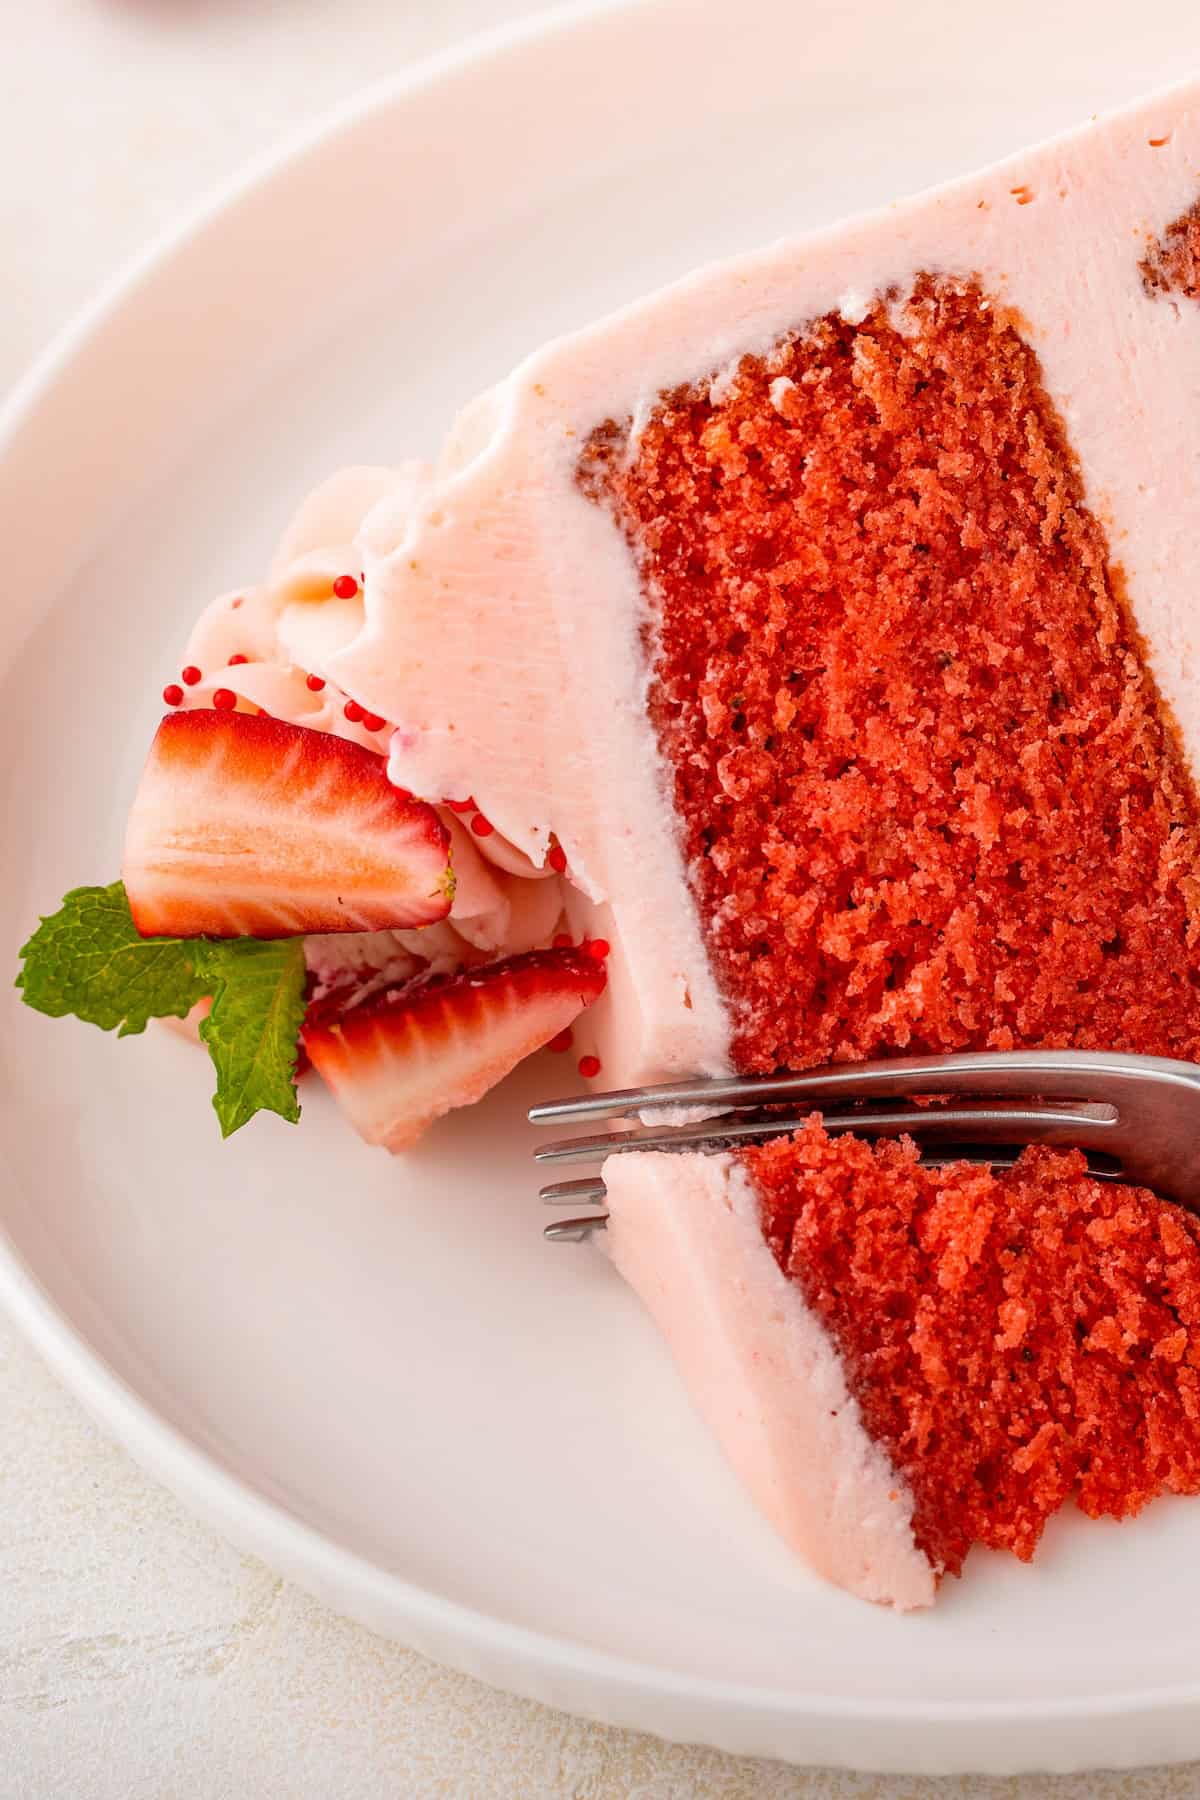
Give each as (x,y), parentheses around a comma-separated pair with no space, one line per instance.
(1137,1117)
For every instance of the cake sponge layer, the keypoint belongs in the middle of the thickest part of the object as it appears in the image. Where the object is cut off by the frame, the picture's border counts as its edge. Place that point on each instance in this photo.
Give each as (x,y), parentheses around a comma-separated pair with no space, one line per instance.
(928,794)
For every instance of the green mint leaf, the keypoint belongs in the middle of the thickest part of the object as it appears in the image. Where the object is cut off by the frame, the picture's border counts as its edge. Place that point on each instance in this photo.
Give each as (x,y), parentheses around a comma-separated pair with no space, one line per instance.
(251,1032)
(89,959)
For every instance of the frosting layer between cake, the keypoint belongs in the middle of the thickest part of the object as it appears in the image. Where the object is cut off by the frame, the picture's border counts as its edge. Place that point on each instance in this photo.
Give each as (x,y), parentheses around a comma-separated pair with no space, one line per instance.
(685,1232)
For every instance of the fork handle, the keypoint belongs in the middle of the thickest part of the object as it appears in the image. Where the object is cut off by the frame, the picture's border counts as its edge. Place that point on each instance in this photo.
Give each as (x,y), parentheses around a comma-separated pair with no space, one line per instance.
(1054,1074)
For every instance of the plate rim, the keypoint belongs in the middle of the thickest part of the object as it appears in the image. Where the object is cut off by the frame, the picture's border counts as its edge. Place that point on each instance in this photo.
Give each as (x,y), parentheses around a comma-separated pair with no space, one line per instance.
(600,1684)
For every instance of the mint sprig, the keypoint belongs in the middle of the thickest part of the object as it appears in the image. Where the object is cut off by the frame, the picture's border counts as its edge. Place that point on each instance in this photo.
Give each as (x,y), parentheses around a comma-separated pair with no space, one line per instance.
(251,1032)
(89,959)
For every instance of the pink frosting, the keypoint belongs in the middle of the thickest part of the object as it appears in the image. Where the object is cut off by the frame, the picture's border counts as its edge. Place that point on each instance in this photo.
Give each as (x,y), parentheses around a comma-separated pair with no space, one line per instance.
(288,628)
(762,1372)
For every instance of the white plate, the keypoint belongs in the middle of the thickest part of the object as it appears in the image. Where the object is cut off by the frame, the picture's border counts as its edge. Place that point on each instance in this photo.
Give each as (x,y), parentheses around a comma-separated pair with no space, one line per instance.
(373,1372)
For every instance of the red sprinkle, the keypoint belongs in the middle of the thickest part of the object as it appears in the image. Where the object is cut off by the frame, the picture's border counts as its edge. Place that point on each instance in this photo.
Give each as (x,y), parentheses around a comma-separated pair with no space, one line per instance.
(172,693)
(238,658)
(353,711)
(563,1041)
(462,806)
(557,859)
(589,1066)
(563,941)
(316,683)
(224,699)
(191,674)
(235,603)
(345,587)
(599,948)
(374,722)
(482,827)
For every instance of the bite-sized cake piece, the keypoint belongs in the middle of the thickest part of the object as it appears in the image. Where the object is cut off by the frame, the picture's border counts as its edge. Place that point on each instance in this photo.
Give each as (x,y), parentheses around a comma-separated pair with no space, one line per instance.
(904,1361)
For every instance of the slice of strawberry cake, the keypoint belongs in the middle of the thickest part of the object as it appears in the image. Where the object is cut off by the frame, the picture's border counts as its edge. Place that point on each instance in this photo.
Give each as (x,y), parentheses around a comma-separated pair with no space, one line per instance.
(804,657)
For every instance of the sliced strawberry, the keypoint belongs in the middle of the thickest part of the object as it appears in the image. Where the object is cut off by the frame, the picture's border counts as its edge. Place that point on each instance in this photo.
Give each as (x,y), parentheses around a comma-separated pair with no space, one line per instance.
(245,826)
(403,1058)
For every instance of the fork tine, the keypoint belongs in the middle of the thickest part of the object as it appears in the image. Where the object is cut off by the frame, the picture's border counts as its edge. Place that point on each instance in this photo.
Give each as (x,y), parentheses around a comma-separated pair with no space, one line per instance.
(588,1192)
(574,1231)
(1055,1074)
(1081,1124)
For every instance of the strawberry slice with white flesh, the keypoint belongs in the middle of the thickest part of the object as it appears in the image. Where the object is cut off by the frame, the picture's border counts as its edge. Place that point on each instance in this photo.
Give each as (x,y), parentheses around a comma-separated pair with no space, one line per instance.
(404,1057)
(244,826)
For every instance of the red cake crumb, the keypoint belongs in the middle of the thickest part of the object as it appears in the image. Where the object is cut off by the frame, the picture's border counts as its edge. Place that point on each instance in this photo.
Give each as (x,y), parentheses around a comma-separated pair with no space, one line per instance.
(1172,264)
(927,794)
(1012,1338)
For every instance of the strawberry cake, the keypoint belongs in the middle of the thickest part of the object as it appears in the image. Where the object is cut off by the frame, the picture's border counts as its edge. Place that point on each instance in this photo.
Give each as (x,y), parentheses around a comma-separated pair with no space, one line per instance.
(798,666)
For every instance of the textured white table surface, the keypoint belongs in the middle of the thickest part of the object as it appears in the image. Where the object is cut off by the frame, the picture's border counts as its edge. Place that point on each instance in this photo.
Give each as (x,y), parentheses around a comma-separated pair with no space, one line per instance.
(140,1657)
